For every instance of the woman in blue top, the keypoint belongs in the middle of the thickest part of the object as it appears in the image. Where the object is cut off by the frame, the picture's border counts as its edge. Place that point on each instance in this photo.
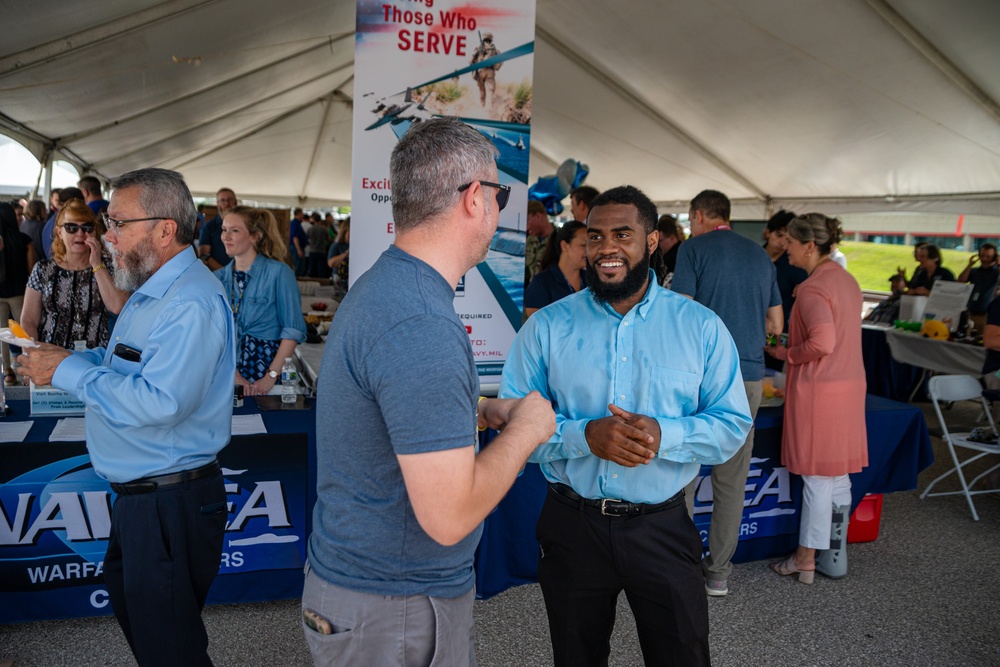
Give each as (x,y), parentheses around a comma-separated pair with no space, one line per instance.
(263,295)
(562,268)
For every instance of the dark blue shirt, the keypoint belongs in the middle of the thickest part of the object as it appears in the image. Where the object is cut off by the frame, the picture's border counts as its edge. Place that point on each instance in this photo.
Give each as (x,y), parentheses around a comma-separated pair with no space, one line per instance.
(211,235)
(549,286)
(921,279)
(984,284)
(734,277)
(295,231)
(789,277)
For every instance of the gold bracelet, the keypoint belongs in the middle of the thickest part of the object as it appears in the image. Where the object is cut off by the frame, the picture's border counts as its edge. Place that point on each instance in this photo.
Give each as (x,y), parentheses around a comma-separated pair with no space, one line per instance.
(98,267)
(481,399)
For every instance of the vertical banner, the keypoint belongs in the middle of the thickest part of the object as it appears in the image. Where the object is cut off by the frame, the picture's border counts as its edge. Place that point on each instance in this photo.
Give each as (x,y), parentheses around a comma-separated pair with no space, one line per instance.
(419,59)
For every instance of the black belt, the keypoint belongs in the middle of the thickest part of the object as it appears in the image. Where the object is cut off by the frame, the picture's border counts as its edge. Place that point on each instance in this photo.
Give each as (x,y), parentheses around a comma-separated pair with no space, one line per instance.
(613,506)
(150,484)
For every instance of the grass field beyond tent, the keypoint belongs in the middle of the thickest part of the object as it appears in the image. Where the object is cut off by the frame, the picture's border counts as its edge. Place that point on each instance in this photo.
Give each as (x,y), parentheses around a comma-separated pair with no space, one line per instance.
(871,264)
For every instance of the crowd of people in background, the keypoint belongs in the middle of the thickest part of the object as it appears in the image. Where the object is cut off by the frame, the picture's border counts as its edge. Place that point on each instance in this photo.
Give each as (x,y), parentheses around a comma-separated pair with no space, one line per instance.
(614,275)
(57,277)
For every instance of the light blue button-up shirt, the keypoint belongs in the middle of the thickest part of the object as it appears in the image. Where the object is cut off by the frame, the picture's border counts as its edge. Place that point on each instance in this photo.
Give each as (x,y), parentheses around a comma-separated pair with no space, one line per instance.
(668,358)
(172,410)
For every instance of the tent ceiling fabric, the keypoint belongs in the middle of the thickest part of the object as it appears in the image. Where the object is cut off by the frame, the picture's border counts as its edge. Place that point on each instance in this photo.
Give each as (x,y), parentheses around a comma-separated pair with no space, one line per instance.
(788,101)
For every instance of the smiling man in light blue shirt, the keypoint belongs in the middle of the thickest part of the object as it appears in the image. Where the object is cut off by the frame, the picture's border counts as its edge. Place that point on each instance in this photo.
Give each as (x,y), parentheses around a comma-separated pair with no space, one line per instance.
(646,387)
(159,409)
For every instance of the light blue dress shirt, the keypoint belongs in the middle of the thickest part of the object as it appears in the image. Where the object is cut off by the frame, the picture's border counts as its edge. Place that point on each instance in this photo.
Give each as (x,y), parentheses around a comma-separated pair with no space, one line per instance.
(271,307)
(172,410)
(668,358)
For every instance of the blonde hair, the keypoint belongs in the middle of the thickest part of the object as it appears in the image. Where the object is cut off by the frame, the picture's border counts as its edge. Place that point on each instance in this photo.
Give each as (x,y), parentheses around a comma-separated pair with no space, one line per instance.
(345,226)
(261,222)
(79,210)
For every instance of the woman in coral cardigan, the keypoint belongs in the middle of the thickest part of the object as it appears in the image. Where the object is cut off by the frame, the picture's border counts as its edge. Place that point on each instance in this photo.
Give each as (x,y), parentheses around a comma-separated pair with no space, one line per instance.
(824,435)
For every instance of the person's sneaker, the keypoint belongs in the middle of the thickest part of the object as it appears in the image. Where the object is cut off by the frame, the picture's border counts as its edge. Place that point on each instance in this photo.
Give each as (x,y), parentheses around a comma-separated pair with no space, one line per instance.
(716,589)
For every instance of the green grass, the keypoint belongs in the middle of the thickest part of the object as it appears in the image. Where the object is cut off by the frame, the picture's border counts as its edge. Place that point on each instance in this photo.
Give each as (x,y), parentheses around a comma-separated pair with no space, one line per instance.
(871,264)
(444,91)
(522,94)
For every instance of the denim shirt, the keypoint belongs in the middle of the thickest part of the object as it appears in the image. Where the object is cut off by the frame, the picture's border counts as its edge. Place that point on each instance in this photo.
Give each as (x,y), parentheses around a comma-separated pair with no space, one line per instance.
(271,307)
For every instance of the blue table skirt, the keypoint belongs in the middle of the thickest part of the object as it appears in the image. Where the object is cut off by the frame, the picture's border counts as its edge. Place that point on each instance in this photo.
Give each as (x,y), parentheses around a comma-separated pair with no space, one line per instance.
(46,573)
(899,449)
(886,376)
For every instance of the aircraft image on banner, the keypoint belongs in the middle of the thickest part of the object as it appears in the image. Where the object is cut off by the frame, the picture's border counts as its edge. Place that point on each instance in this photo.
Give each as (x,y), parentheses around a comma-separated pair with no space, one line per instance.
(401,110)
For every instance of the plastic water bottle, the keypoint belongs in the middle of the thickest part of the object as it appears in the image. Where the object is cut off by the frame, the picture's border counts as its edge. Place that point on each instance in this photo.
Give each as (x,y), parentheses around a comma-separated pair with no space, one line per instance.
(289,378)
(3,397)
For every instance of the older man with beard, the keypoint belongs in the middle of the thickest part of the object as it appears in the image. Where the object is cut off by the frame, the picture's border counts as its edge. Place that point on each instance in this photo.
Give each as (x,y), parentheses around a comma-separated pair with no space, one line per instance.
(159,407)
(647,387)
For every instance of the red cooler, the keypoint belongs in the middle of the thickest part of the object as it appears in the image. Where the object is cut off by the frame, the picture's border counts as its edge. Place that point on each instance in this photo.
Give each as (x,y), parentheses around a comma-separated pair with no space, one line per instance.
(865,520)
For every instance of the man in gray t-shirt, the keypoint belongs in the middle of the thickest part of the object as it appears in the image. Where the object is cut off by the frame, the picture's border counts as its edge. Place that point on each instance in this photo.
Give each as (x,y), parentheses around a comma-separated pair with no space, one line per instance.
(402,492)
(734,277)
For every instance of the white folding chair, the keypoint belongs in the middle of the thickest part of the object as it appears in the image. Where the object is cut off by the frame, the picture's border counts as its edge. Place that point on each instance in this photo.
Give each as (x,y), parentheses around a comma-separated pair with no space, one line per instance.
(947,389)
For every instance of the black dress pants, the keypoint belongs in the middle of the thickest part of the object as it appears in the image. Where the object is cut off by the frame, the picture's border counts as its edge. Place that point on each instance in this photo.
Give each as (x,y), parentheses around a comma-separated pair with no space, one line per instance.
(587,559)
(162,557)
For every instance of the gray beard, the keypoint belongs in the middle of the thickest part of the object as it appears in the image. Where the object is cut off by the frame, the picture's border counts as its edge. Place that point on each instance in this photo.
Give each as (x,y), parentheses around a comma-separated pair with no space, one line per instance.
(136,267)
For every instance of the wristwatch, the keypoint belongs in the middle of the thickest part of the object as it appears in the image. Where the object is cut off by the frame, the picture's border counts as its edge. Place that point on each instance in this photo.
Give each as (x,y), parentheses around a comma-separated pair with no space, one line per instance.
(273,375)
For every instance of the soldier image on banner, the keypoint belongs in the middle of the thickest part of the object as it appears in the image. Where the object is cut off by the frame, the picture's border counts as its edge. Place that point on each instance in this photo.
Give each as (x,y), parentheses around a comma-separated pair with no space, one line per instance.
(486,76)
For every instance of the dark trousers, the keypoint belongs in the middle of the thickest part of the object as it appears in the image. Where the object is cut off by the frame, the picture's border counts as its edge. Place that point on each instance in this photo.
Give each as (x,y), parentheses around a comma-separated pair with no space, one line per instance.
(317,265)
(301,262)
(162,557)
(587,559)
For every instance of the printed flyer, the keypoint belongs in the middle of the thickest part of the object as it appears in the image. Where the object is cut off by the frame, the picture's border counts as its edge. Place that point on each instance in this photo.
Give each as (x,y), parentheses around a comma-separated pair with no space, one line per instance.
(420,59)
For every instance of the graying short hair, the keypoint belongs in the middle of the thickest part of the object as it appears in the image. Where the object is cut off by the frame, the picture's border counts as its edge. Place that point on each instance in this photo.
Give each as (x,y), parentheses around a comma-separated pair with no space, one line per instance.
(818,228)
(163,193)
(428,165)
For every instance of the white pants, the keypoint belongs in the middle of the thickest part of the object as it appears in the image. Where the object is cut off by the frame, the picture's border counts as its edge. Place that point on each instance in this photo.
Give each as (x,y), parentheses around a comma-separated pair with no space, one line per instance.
(819,496)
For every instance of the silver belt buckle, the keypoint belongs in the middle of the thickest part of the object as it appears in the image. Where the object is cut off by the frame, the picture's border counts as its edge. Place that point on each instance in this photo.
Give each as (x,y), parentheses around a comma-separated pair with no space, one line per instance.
(604,505)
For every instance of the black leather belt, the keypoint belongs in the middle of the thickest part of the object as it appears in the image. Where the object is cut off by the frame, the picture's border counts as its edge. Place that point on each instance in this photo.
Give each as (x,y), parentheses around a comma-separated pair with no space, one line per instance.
(614,507)
(150,484)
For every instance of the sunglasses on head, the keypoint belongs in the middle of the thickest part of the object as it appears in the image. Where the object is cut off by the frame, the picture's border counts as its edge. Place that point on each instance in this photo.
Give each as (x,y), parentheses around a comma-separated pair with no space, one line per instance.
(73,228)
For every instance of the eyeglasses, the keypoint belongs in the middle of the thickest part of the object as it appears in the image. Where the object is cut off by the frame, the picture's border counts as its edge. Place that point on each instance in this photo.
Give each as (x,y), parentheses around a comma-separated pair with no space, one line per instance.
(503,191)
(115,225)
(73,228)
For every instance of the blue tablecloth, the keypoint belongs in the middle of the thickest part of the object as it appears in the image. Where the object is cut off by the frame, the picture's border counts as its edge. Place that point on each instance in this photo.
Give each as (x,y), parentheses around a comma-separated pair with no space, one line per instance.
(899,449)
(56,517)
(886,376)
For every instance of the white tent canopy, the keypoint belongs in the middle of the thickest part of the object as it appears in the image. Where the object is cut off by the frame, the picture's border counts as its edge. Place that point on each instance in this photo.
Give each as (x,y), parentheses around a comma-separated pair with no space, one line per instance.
(847,106)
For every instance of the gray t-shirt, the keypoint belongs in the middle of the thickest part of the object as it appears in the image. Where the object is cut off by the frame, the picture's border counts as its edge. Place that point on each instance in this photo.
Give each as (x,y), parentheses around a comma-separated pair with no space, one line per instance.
(734,277)
(397,377)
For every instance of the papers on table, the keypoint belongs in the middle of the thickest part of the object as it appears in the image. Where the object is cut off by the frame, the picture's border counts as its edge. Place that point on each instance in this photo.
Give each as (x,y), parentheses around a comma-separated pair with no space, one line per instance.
(248,424)
(14,431)
(69,429)
(947,301)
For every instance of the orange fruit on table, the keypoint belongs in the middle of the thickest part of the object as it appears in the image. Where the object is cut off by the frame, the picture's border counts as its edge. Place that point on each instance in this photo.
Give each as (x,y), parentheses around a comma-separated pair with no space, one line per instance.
(18,330)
